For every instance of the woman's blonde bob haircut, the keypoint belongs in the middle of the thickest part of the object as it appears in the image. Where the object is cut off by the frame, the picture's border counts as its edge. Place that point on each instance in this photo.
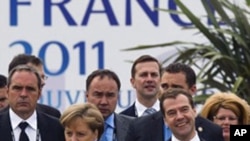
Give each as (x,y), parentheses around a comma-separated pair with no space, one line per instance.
(226,100)
(88,113)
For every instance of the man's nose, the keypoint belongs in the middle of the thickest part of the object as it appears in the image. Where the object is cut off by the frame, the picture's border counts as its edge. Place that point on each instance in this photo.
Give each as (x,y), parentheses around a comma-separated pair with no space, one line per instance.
(23,92)
(149,77)
(104,100)
(179,115)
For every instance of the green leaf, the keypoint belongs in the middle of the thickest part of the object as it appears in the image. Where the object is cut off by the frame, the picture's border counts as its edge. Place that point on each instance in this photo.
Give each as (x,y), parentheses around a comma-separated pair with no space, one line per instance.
(237,84)
(248,2)
(223,63)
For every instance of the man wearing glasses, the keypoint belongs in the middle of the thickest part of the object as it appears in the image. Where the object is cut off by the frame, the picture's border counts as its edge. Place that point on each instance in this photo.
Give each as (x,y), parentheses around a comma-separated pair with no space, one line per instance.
(37,64)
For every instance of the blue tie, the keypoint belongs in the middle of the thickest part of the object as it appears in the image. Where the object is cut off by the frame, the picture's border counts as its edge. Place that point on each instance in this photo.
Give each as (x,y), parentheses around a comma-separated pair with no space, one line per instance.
(108,133)
(148,111)
(167,132)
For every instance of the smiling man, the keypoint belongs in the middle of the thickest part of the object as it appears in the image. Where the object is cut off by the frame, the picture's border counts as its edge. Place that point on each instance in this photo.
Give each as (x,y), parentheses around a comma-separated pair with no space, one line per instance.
(175,75)
(179,114)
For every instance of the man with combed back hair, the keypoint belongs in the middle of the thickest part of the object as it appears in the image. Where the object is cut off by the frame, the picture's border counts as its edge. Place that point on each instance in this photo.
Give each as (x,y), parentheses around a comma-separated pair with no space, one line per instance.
(37,64)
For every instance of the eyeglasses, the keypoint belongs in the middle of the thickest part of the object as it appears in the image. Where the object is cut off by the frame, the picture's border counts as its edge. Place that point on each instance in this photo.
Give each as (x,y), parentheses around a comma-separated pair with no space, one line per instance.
(44,77)
(223,118)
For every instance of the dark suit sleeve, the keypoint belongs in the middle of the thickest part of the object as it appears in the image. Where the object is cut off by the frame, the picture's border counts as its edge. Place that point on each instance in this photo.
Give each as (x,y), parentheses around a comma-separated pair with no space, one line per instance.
(139,130)
(131,136)
(146,128)
(50,128)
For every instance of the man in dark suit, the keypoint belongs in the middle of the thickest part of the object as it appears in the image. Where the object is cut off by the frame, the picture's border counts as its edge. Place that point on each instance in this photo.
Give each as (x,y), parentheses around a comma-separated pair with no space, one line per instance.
(178,110)
(147,128)
(37,63)
(145,78)
(175,75)
(23,90)
(178,75)
(102,89)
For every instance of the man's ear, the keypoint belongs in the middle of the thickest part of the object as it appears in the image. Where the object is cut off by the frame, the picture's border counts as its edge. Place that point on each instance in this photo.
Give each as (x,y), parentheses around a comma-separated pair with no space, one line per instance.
(39,93)
(193,90)
(132,81)
(195,112)
(86,94)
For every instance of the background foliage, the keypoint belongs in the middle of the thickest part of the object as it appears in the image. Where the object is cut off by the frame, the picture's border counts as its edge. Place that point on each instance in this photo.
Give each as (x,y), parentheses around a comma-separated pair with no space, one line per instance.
(224,61)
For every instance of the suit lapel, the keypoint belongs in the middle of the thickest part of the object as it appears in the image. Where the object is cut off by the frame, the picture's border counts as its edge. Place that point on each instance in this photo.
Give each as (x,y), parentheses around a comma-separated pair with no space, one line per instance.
(199,126)
(133,112)
(201,139)
(42,126)
(5,127)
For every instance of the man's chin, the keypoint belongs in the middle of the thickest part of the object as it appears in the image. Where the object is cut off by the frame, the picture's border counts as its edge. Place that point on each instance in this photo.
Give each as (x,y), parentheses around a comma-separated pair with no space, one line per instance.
(106,115)
(23,110)
(150,95)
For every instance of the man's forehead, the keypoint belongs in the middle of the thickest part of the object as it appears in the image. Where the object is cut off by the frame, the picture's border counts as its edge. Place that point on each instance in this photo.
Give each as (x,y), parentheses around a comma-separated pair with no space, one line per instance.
(180,98)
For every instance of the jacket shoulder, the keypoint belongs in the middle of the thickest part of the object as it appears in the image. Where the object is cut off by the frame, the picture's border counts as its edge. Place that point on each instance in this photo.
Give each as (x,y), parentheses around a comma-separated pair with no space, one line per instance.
(48,110)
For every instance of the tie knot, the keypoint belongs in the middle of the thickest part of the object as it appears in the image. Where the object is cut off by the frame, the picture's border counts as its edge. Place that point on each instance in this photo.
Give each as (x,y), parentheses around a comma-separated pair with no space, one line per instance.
(23,125)
(107,125)
(149,111)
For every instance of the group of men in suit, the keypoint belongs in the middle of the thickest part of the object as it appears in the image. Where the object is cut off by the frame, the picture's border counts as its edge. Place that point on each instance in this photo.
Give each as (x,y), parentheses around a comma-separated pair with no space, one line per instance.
(37,64)
(147,78)
(147,81)
(24,89)
(25,81)
(102,89)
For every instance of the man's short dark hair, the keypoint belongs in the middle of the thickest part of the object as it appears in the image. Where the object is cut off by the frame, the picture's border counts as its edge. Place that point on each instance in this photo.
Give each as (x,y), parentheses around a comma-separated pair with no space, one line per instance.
(183,68)
(22,59)
(172,94)
(24,68)
(142,59)
(3,81)
(102,73)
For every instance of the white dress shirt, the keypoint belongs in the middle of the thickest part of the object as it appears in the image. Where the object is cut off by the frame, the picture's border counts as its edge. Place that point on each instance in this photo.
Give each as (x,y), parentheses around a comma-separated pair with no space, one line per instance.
(31,130)
(195,138)
(139,108)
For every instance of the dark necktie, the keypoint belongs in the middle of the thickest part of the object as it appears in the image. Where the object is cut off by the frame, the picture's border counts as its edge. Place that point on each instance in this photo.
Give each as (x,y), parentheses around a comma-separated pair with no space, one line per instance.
(23,135)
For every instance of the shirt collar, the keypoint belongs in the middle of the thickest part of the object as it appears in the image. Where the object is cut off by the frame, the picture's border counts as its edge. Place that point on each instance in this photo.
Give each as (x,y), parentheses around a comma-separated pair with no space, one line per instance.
(141,108)
(195,138)
(15,120)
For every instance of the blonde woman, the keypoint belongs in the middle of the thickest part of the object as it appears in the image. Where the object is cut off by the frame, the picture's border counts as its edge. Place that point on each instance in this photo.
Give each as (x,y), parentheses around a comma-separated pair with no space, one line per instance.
(226,109)
(82,122)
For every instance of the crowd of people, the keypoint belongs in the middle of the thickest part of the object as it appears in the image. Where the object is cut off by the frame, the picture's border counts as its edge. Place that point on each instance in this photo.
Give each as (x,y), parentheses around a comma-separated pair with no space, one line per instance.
(164,109)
